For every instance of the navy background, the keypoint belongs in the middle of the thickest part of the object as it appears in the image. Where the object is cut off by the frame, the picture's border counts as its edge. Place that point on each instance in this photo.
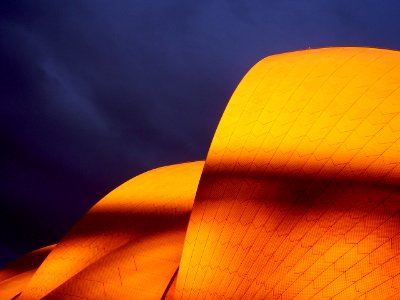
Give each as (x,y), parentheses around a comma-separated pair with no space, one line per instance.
(95,92)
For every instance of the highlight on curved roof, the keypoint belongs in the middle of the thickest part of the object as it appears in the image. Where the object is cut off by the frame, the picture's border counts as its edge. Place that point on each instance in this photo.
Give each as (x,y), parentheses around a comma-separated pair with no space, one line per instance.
(299,198)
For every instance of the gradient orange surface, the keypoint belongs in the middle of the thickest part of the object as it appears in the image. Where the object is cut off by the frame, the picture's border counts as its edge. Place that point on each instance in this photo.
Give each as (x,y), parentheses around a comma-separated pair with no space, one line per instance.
(299,197)
(16,275)
(128,245)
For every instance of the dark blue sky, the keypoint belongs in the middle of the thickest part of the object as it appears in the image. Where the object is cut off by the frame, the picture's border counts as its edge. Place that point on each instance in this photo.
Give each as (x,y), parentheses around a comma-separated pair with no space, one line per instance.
(95,92)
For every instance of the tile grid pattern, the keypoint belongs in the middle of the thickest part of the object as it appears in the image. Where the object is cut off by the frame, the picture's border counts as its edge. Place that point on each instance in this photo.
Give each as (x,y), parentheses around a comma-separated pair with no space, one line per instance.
(299,198)
(128,245)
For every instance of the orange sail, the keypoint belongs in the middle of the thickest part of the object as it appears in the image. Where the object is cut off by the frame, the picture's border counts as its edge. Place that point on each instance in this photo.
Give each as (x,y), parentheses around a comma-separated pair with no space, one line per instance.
(299,197)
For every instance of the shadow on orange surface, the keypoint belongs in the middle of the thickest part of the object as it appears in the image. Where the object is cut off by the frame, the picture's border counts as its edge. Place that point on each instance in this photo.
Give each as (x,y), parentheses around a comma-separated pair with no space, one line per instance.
(299,197)
(16,275)
(262,236)
(130,242)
